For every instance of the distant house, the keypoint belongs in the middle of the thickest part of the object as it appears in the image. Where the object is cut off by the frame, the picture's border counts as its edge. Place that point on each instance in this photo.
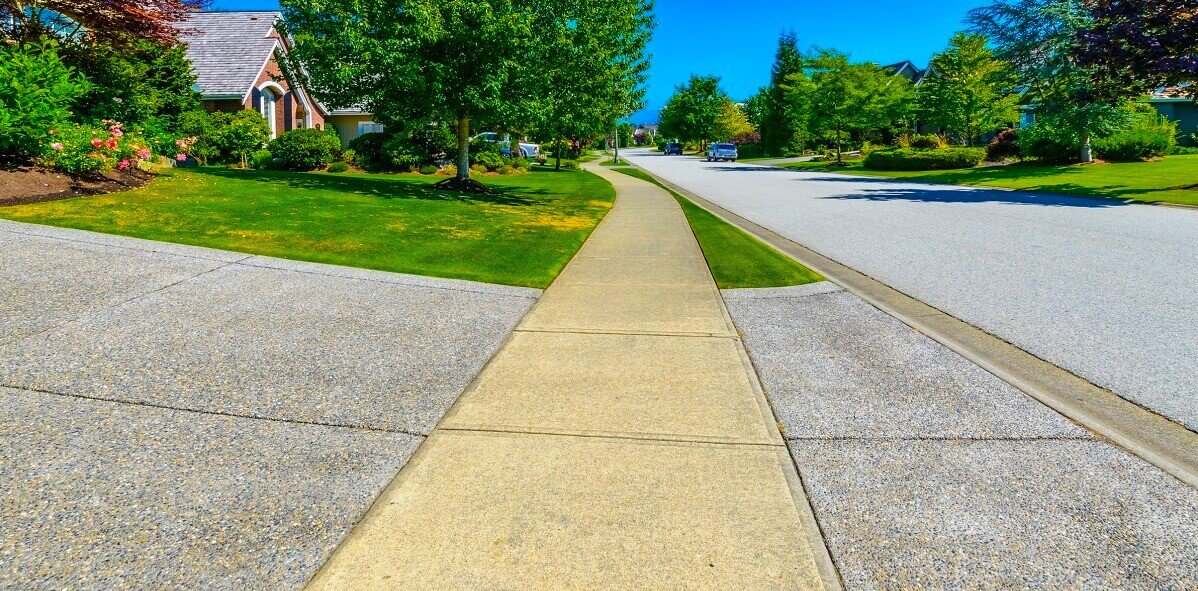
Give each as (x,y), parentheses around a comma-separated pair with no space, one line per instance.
(235,57)
(1176,106)
(908,69)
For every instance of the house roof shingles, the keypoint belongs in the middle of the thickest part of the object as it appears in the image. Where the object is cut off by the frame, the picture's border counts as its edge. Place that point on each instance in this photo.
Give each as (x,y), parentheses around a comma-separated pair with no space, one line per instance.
(228,49)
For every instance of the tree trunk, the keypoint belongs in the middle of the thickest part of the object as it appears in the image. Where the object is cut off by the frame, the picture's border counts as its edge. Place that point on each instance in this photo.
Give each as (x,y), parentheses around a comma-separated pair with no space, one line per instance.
(463,148)
(1087,152)
(617,145)
(557,155)
(839,153)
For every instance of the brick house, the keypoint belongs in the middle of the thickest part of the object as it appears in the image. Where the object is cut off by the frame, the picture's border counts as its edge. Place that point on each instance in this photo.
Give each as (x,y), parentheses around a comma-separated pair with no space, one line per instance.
(234,56)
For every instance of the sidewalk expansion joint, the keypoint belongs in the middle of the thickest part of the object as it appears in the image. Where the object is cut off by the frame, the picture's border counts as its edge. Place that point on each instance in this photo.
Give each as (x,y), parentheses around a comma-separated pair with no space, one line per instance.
(215,413)
(631,333)
(947,438)
(618,437)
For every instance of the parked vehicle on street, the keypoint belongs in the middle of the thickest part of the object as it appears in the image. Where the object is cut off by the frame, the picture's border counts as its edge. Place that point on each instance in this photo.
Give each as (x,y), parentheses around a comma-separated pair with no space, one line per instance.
(673,149)
(719,152)
(527,150)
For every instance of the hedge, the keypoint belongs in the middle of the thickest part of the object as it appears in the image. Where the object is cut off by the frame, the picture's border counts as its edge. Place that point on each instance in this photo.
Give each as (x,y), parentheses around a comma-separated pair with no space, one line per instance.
(909,159)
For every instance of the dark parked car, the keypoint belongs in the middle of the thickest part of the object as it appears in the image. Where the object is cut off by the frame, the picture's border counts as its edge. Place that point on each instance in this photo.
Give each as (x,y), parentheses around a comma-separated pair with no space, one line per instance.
(673,149)
(719,152)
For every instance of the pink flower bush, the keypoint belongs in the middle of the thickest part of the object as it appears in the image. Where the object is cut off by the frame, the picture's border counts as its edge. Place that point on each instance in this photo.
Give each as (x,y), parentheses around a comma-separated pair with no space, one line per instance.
(56,146)
(144,153)
(181,157)
(123,165)
(82,149)
(96,143)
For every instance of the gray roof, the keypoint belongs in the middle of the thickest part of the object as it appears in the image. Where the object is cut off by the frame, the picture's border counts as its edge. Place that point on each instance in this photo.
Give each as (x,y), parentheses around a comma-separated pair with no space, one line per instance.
(228,49)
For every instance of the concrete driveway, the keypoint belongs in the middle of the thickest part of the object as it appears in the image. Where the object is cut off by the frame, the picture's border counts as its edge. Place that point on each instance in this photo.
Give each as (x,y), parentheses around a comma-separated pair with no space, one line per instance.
(182,418)
(1105,289)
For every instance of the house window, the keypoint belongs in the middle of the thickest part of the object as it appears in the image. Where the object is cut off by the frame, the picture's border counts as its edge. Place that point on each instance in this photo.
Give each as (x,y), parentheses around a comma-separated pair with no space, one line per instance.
(269,102)
(369,127)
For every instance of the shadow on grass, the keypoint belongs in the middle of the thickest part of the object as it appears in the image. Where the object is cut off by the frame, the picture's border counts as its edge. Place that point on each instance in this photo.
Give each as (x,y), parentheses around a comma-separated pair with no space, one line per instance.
(383,187)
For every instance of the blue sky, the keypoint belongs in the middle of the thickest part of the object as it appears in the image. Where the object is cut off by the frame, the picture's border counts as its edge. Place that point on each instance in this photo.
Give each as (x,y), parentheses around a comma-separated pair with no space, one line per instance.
(736,40)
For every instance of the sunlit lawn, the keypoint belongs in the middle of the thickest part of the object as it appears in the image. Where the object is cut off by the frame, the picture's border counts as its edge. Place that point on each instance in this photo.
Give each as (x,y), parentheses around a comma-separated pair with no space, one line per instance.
(523,235)
(1171,180)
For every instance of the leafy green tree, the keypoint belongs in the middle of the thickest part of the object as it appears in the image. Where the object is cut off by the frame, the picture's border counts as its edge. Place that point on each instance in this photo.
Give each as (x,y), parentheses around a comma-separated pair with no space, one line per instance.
(692,113)
(755,107)
(969,91)
(1039,39)
(732,122)
(134,84)
(36,93)
(777,129)
(843,98)
(417,61)
(591,67)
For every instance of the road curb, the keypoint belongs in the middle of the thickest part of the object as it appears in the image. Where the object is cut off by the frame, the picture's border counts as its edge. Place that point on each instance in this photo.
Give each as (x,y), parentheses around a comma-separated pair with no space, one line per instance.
(1156,439)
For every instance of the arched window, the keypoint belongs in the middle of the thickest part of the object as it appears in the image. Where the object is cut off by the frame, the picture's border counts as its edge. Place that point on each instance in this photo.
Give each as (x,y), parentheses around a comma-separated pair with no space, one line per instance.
(272,95)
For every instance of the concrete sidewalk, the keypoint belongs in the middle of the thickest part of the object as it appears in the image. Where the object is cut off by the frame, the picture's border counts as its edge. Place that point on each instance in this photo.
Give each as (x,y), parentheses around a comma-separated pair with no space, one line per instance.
(619,440)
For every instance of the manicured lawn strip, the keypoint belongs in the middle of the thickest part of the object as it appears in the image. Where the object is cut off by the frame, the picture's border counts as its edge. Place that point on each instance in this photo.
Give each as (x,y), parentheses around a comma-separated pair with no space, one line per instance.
(1171,180)
(736,258)
(524,235)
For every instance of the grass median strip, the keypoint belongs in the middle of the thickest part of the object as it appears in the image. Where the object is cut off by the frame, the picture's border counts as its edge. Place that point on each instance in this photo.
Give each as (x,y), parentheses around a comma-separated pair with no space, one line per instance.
(736,259)
(522,235)
(1171,180)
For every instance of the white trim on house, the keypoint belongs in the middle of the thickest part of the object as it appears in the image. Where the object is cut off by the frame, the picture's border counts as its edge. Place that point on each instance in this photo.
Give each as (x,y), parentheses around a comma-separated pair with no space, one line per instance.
(276,94)
(269,56)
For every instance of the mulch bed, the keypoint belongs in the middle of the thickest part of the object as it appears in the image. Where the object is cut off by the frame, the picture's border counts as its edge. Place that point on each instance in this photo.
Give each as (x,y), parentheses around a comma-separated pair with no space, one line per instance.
(27,183)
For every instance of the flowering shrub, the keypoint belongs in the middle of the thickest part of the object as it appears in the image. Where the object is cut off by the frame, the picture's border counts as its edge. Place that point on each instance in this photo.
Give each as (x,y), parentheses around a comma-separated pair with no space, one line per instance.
(80,149)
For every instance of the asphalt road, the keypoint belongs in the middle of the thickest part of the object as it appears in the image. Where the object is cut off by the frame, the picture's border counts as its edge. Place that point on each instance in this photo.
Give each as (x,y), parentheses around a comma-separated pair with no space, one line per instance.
(1106,289)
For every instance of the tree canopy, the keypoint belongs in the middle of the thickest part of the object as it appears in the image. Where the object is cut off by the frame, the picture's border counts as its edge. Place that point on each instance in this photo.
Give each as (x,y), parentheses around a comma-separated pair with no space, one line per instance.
(842,97)
(1137,46)
(968,91)
(1038,38)
(693,112)
(777,129)
(473,63)
(104,21)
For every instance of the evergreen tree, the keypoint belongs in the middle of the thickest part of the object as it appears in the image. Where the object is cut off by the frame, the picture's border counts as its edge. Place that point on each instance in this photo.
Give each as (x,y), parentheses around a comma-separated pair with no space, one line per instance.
(777,130)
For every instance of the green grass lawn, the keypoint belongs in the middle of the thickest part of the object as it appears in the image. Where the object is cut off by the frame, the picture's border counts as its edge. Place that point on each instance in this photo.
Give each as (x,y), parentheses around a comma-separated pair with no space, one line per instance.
(736,258)
(1171,180)
(523,235)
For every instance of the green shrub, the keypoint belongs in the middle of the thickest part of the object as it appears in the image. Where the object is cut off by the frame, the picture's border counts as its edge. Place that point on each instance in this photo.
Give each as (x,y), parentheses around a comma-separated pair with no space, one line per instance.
(428,169)
(1146,135)
(348,156)
(523,164)
(1049,142)
(367,150)
(1133,145)
(505,170)
(478,169)
(403,153)
(304,149)
(338,167)
(569,165)
(448,170)
(261,159)
(1004,145)
(912,159)
(222,138)
(927,141)
(490,160)
(36,93)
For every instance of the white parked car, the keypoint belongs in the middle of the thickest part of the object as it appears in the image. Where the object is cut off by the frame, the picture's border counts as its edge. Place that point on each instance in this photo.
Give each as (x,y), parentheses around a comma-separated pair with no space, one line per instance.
(505,144)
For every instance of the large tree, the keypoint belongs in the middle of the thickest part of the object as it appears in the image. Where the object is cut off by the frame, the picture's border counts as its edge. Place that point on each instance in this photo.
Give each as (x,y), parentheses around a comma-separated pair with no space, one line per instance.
(732,122)
(693,112)
(969,91)
(591,67)
(1135,46)
(777,130)
(1039,39)
(843,98)
(103,21)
